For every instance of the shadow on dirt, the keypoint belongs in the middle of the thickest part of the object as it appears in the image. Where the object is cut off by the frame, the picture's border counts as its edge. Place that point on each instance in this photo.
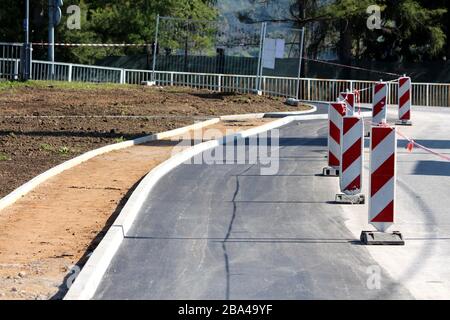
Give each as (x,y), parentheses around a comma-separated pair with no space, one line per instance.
(63,287)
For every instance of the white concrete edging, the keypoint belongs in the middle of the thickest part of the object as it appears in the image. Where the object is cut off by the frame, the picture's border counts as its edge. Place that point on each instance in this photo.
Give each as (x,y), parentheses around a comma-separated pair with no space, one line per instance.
(33,183)
(92,273)
(262,115)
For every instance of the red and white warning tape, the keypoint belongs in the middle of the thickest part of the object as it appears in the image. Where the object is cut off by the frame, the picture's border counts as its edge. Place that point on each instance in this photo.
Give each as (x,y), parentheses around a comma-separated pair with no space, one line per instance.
(351,67)
(412,143)
(92,44)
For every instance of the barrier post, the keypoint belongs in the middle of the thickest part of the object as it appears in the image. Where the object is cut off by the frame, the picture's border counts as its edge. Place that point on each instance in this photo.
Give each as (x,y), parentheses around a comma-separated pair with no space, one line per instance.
(382,181)
(379,103)
(404,101)
(336,113)
(349,99)
(352,151)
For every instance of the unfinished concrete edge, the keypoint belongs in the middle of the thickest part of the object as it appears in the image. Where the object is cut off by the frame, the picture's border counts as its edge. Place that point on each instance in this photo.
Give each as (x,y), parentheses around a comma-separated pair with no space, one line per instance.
(262,115)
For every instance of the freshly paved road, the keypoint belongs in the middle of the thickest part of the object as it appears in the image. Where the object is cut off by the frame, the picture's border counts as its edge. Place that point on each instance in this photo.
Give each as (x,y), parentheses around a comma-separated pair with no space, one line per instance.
(227,232)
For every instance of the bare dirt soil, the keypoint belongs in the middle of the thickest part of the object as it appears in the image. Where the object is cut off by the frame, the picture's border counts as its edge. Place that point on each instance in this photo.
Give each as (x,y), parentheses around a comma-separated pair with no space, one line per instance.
(47,236)
(42,125)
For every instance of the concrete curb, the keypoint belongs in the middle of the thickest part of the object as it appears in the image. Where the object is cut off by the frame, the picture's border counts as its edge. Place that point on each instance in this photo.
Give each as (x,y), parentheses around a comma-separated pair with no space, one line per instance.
(92,273)
(268,114)
(33,183)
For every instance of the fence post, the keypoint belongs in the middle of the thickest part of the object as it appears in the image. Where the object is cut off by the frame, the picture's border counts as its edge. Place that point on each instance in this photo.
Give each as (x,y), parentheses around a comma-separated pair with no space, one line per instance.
(351,85)
(264,85)
(122,76)
(171,78)
(219,83)
(16,69)
(428,95)
(309,89)
(69,75)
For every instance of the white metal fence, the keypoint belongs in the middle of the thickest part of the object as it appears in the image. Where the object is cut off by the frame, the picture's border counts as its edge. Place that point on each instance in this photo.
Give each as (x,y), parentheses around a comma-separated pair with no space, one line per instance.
(10,54)
(424,94)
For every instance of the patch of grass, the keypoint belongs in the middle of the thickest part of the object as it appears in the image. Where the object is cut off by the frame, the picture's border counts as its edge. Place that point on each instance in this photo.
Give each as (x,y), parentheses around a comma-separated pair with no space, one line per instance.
(119,140)
(8,85)
(4,157)
(46,147)
(63,150)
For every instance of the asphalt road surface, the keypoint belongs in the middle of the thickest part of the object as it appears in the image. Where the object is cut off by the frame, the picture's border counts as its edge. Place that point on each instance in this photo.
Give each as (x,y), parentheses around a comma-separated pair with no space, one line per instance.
(225,231)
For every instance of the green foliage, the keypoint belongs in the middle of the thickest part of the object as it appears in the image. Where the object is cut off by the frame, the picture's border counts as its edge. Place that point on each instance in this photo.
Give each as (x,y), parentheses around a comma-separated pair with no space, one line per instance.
(102,21)
(4,157)
(412,30)
(46,147)
(119,140)
(119,21)
(12,85)
(63,150)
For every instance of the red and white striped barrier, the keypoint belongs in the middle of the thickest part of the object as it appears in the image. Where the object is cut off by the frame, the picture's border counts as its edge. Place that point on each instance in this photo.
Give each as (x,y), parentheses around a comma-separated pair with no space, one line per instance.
(382,177)
(336,112)
(404,100)
(349,99)
(379,103)
(352,138)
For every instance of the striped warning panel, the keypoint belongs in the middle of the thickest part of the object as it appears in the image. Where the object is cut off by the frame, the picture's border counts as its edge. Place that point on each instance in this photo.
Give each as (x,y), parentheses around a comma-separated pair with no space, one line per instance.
(349,99)
(404,99)
(352,138)
(382,177)
(336,112)
(379,110)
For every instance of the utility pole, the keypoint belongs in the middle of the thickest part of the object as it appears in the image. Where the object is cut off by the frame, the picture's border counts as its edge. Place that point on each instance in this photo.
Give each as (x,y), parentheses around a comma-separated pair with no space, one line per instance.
(54,18)
(51,32)
(26,65)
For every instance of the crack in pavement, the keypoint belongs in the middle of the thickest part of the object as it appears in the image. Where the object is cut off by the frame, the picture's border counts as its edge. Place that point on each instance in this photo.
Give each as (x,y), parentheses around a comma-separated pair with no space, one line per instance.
(227,236)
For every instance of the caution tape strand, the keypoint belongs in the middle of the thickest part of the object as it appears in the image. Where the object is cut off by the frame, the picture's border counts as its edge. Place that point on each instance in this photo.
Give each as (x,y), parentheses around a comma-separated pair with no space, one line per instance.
(412,142)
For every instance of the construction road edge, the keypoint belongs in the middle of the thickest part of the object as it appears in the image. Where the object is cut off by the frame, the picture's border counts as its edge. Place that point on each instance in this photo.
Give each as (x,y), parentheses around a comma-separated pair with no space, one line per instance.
(87,282)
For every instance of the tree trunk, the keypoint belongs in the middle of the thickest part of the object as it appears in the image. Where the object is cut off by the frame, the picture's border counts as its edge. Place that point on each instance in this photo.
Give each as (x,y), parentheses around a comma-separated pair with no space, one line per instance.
(345,48)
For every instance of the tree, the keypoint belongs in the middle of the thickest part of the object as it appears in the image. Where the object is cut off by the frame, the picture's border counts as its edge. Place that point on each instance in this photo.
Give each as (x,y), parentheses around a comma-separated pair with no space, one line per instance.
(413,30)
(103,21)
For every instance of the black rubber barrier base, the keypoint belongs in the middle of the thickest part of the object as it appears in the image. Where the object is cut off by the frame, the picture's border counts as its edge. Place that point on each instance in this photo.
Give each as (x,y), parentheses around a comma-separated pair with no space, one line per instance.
(350,199)
(382,238)
(330,172)
(403,123)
